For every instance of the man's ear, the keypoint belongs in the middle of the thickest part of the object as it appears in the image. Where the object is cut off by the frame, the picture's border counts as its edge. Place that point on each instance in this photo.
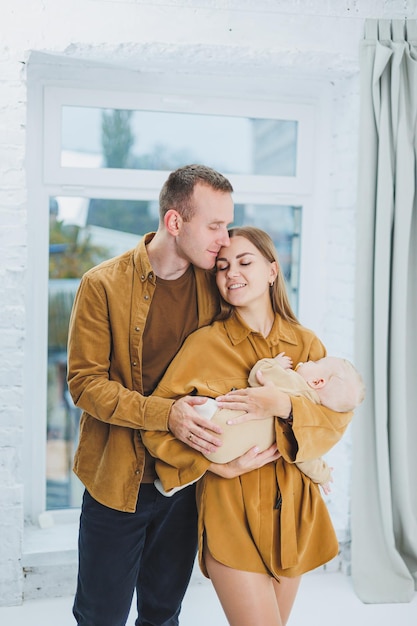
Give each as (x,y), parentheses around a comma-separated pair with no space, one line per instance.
(316,383)
(172,222)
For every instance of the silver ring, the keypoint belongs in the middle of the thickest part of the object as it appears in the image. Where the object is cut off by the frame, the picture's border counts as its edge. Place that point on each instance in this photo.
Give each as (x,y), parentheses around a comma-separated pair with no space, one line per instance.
(190,436)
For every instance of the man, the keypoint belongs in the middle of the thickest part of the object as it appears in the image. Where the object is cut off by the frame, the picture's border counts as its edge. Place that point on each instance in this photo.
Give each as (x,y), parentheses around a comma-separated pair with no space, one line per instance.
(130,317)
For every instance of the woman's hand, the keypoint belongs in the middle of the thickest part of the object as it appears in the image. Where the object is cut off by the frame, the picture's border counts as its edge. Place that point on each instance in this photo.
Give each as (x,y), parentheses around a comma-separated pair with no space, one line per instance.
(251,460)
(258,402)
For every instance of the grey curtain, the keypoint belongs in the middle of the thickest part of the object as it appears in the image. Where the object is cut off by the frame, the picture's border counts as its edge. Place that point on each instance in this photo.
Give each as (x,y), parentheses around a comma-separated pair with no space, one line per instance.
(384,465)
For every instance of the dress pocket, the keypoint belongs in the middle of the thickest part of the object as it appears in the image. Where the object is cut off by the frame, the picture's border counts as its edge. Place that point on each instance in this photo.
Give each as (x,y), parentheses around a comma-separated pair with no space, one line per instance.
(221,386)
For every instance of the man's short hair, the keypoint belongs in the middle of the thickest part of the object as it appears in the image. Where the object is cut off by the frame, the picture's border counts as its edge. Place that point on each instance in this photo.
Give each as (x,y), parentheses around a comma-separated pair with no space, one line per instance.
(177,191)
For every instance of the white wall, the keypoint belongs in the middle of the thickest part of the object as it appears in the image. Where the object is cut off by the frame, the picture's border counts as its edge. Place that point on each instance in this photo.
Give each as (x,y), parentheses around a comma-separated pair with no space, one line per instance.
(266,38)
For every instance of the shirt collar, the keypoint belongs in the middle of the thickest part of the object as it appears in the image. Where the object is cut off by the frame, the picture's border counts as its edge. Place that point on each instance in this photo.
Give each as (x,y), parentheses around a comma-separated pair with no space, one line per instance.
(141,260)
(281,330)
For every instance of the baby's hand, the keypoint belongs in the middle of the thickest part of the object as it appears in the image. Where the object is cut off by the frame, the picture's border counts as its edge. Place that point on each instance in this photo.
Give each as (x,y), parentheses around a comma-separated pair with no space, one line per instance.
(284,361)
(326,487)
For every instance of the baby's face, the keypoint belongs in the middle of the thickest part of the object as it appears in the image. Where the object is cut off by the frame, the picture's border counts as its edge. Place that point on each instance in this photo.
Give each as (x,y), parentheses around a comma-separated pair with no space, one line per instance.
(309,370)
(313,370)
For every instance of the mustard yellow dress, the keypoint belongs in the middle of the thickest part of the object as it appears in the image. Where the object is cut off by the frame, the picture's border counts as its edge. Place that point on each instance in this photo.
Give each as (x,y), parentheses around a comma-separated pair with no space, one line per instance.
(272,520)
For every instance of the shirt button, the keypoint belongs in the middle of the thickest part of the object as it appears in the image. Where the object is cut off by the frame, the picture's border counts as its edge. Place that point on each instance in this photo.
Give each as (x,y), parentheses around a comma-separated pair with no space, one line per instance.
(137,329)
(137,472)
(150,275)
(146,297)
(134,363)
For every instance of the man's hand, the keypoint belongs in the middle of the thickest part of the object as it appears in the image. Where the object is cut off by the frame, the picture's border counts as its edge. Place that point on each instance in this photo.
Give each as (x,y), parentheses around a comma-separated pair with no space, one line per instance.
(251,460)
(190,428)
(258,402)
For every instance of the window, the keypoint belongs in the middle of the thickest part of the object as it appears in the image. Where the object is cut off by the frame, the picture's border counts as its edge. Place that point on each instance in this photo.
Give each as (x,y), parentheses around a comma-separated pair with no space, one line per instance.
(95,192)
(157,140)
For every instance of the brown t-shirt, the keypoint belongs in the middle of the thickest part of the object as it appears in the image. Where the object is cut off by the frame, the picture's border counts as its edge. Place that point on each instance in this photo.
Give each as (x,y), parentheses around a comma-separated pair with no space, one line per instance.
(172,317)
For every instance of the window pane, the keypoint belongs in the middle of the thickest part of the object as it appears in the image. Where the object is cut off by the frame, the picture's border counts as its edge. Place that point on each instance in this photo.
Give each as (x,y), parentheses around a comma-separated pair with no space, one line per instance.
(83,232)
(63,489)
(153,140)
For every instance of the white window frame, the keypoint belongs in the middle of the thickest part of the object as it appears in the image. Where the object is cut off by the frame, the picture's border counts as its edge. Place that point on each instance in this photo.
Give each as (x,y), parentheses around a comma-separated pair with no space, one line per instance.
(47,178)
(55,98)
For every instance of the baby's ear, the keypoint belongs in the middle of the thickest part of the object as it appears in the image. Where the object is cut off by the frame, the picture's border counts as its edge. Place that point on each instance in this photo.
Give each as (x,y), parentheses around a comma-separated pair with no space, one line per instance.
(316,383)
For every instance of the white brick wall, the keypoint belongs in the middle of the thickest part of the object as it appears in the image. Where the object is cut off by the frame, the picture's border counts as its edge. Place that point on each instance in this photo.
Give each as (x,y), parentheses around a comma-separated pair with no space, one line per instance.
(340,219)
(213,36)
(12,327)
(340,263)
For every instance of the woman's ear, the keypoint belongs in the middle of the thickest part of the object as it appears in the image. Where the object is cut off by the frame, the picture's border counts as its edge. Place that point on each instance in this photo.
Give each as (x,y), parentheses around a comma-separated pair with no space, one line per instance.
(273,272)
(173,222)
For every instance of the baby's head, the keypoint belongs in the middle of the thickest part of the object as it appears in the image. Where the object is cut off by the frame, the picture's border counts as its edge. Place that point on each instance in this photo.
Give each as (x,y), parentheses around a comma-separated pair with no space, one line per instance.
(337,382)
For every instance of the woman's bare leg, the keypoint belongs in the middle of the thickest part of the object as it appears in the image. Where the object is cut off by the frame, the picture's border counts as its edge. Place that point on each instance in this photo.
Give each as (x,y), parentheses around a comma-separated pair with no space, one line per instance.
(286,591)
(247,598)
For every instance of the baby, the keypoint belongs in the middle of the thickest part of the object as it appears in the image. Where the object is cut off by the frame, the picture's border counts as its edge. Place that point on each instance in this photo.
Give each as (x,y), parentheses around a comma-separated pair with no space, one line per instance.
(331,381)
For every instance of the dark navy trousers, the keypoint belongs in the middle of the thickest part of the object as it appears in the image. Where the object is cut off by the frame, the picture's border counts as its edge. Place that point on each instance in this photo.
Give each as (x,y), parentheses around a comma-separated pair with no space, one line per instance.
(151,550)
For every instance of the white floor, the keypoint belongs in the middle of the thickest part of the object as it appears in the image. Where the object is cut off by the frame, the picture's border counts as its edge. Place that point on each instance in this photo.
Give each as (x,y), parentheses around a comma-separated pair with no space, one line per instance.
(324,599)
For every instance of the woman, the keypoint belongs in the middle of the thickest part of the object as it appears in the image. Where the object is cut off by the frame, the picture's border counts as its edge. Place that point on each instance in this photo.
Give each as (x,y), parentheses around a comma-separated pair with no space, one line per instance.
(259,529)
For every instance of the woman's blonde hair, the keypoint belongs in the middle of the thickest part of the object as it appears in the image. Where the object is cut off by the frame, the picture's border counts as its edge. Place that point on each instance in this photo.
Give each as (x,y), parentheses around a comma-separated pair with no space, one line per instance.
(278,292)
